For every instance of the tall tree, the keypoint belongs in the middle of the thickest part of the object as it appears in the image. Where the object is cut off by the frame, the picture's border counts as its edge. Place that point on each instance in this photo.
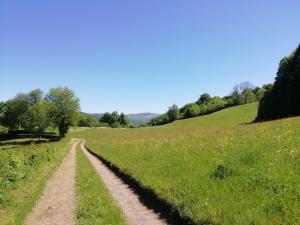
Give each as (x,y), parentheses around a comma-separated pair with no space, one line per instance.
(64,106)
(283,99)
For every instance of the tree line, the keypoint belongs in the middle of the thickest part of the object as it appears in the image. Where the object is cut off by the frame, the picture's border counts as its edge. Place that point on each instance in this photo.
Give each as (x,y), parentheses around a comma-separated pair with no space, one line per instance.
(243,93)
(35,111)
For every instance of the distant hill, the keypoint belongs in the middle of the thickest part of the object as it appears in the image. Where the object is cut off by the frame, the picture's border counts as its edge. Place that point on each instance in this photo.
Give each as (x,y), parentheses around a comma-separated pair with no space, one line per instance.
(96,116)
(141,118)
(136,119)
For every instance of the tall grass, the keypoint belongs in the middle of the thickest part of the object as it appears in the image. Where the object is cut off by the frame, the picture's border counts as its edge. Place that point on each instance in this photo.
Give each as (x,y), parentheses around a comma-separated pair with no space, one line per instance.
(214,169)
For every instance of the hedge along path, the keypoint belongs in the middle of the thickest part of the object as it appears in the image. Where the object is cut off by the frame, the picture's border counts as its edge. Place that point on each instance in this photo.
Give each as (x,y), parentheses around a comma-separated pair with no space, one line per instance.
(134,210)
(57,204)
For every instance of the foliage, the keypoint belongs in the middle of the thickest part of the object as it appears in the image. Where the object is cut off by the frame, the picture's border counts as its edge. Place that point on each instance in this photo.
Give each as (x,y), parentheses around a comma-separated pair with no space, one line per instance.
(13,111)
(190,110)
(32,112)
(160,120)
(37,117)
(283,99)
(173,113)
(122,120)
(34,97)
(234,99)
(248,96)
(85,121)
(114,119)
(64,108)
(212,168)
(215,104)
(204,99)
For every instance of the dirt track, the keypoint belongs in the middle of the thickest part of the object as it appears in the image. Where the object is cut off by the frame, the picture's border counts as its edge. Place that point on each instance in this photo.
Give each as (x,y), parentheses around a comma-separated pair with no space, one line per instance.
(57,204)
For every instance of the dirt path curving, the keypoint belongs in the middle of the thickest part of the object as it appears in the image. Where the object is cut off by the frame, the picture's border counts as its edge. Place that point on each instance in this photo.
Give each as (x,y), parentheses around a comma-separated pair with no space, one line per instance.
(135,211)
(57,204)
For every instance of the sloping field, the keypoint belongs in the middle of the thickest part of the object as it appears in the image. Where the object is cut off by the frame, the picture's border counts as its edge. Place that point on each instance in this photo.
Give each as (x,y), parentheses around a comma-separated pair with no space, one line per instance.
(215,169)
(241,114)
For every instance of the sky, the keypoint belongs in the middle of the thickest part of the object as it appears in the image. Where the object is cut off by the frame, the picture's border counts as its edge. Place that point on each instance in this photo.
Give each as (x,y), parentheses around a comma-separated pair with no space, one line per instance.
(138,56)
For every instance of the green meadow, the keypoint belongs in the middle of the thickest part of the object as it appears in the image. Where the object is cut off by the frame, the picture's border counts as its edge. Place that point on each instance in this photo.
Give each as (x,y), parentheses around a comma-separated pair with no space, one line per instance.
(215,169)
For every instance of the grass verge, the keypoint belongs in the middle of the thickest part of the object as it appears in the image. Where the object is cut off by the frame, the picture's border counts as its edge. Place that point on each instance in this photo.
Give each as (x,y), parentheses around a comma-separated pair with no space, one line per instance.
(24,171)
(95,204)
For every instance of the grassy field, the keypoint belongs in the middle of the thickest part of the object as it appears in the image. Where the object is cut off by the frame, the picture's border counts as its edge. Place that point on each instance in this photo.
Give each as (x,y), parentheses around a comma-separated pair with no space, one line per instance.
(95,204)
(215,169)
(24,172)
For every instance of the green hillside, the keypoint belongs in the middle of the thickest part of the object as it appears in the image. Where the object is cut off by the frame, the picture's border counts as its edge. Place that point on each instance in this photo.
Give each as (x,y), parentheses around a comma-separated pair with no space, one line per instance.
(214,169)
(230,116)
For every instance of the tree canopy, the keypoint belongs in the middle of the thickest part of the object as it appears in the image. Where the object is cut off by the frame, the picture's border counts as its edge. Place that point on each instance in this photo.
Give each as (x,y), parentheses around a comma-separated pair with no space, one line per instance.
(34,112)
(204,99)
(64,106)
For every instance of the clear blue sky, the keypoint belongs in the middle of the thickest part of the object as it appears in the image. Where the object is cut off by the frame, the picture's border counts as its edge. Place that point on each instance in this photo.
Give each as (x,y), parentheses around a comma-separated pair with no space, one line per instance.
(143,55)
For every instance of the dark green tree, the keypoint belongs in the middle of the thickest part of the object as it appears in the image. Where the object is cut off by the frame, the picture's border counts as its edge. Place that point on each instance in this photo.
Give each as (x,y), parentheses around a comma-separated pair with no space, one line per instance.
(283,100)
(12,112)
(107,118)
